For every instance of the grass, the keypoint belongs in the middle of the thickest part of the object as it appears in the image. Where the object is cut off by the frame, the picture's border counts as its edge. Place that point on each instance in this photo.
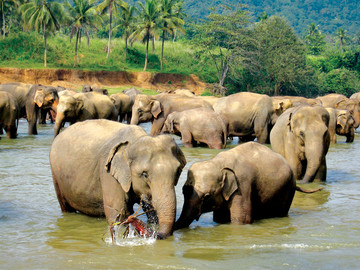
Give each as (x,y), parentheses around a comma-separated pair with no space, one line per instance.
(26,50)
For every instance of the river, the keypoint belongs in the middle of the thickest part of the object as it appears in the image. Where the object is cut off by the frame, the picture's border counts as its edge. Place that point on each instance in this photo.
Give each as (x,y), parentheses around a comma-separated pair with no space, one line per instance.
(322,230)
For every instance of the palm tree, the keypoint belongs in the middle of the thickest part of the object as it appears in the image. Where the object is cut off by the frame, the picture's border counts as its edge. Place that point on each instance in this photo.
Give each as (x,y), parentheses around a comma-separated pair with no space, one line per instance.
(82,16)
(342,36)
(126,21)
(149,14)
(6,5)
(109,6)
(42,16)
(170,20)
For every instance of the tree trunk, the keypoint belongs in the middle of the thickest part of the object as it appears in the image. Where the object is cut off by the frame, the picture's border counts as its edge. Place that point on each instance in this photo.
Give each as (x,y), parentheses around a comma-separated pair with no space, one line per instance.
(45,50)
(76,46)
(3,19)
(224,75)
(126,40)
(162,50)
(277,89)
(147,50)
(153,43)
(108,50)
(174,36)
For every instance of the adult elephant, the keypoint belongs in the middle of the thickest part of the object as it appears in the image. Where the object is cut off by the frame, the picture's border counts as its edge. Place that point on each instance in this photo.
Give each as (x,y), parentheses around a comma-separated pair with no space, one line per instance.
(8,115)
(339,101)
(197,125)
(248,115)
(87,88)
(240,185)
(123,104)
(297,100)
(102,168)
(157,108)
(83,106)
(341,123)
(301,135)
(30,98)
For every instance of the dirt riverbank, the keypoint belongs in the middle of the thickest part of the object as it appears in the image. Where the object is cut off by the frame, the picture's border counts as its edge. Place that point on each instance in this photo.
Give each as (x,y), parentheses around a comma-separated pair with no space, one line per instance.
(77,78)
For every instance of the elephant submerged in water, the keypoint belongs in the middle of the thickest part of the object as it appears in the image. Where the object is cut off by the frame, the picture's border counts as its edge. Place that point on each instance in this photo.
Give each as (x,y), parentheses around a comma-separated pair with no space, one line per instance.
(240,185)
(103,167)
(8,115)
(301,136)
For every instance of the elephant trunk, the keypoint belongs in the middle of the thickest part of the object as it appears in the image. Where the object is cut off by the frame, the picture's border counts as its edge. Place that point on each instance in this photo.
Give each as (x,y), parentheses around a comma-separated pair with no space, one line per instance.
(59,122)
(350,136)
(191,209)
(134,118)
(315,151)
(165,206)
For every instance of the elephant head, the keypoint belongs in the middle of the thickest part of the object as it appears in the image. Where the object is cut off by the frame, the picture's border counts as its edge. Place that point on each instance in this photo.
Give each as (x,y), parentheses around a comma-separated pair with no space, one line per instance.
(280,106)
(68,110)
(353,106)
(46,97)
(150,167)
(209,185)
(171,124)
(309,125)
(145,109)
(345,125)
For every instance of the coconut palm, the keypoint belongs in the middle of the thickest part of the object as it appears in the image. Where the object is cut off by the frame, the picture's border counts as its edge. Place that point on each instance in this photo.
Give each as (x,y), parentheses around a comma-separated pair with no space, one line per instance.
(82,16)
(109,6)
(171,15)
(342,36)
(43,16)
(149,16)
(126,21)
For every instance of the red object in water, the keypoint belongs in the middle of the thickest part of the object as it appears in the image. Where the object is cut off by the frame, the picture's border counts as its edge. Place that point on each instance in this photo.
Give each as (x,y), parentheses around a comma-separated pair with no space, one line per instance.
(139,226)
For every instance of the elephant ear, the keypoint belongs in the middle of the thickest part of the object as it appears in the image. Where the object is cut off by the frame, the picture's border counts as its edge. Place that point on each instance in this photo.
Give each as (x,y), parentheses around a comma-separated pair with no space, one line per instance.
(79,104)
(229,183)
(289,123)
(155,108)
(39,97)
(118,165)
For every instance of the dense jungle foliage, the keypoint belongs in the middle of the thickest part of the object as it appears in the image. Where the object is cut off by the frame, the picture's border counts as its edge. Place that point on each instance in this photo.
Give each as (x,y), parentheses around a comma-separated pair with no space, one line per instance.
(255,47)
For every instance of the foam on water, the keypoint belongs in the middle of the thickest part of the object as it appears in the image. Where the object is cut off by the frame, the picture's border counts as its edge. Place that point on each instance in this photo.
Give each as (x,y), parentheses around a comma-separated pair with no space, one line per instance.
(132,239)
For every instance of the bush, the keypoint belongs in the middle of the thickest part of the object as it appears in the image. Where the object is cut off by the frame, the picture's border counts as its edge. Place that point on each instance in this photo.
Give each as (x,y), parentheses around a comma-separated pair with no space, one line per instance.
(341,81)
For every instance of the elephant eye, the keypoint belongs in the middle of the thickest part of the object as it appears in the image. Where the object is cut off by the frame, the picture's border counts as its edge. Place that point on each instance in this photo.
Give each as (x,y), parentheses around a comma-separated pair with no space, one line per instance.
(140,111)
(302,134)
(144,174)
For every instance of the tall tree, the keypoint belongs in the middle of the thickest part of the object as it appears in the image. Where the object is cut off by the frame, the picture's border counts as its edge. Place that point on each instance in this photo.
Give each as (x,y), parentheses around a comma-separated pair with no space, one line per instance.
(109,6)
(282,54)
(44,17)
(6,5)
(219,38)
(126,21)
(315,41)
(82,16)
(171,14)
(149,16)
(342,36)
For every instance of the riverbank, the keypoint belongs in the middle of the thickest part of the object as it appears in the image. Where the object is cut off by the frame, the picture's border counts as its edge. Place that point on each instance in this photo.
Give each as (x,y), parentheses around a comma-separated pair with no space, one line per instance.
(77,78)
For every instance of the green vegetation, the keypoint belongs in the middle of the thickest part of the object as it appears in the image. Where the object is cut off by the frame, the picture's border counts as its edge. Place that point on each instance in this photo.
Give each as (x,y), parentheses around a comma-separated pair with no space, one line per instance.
(235,48)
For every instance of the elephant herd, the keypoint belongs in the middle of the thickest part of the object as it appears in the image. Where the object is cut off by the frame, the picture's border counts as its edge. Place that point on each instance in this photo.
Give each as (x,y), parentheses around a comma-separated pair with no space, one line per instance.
(102,166)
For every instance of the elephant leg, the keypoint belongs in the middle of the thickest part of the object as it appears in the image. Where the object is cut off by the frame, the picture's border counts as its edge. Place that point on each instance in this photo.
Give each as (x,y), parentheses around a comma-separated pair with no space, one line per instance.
(222,214)
(114,200)
(64,205)
(350,136)
(261,132)
(240,207)
(186,138)
(321,174)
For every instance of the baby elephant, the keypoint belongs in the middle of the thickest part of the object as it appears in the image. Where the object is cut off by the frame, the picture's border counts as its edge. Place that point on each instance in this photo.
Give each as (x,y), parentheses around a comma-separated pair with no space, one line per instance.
(197,125)
(240,185)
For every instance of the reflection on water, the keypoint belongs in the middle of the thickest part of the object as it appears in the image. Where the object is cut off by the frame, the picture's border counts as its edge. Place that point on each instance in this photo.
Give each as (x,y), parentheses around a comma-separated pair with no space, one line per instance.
(321,231)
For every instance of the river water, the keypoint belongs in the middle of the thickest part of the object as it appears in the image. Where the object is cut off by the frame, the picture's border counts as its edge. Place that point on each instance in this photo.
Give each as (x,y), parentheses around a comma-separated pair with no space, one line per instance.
(322,230)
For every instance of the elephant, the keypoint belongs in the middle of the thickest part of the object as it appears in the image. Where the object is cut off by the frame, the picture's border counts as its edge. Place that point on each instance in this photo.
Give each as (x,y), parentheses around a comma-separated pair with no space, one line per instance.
(197,125)
(297,100)
(30,98)
(157,108)
(83,106)
(240,185)
(123,104)
(8,115)
(87,88)
(341,123)
(132,92)
(102,168)
(355,96)
(301,136)
(339,101)
(248,115)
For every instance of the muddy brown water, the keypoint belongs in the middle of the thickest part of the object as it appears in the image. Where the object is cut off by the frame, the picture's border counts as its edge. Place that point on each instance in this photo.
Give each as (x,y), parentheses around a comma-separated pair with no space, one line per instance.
(322,230)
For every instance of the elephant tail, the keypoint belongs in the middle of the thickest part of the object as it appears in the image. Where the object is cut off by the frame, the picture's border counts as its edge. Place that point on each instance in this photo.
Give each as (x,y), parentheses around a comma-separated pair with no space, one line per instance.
(308,191)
